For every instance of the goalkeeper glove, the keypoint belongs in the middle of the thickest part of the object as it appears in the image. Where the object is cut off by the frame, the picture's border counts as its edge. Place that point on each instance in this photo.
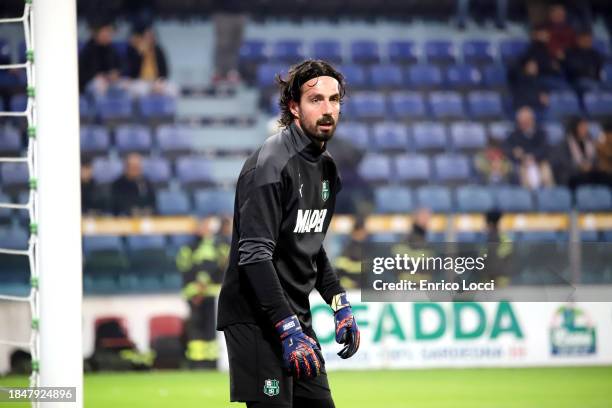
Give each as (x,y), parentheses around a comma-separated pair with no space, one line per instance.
(301,355)
(347,332)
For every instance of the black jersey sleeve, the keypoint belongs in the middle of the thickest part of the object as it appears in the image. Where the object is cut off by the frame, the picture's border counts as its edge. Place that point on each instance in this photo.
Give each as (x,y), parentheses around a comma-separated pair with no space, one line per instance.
(327,282)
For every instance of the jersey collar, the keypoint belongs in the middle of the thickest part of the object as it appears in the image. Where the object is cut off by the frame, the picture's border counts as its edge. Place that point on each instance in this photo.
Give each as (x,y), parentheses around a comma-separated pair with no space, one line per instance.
(306,146)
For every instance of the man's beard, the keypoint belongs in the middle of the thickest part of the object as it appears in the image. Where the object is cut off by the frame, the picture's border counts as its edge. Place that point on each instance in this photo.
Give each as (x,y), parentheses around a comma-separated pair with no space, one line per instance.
(314,133)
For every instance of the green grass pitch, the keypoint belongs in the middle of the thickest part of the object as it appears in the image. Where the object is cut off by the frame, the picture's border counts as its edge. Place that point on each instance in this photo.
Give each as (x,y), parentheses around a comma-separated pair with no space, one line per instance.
(586,387)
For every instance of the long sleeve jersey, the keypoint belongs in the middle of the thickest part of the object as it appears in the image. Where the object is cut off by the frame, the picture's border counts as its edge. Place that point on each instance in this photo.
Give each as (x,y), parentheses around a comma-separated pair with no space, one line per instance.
(284,203)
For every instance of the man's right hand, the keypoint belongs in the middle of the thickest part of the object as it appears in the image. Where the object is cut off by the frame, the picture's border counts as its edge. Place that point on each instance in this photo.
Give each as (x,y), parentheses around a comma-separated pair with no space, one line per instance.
(301,355)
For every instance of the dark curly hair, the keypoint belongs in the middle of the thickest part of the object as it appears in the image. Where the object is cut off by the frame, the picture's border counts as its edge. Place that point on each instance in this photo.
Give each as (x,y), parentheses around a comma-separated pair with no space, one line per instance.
(298,75)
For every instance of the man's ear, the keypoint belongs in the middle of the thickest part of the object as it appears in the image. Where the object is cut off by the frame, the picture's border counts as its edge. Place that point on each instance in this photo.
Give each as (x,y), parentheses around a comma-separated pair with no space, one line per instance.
(294,108)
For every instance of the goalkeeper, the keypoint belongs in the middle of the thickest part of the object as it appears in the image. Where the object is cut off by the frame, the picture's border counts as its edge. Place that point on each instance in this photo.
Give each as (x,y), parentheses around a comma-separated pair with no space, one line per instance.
(285,199)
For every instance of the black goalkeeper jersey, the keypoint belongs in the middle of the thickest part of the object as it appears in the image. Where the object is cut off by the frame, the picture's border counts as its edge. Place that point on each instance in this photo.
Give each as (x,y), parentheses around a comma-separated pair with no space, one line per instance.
(285,199)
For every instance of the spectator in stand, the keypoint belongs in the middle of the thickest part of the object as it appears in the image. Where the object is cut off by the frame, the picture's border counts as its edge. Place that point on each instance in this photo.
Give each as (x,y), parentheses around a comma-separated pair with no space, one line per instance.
(493,165)
(527,148)
(528,89)
(132,194)
(348,264)
(93,196)
(463,12)
(99,62)
(548,65)
(229,21)
(574,159)
(562,34)
(146,63)
(584,64)
(604,153)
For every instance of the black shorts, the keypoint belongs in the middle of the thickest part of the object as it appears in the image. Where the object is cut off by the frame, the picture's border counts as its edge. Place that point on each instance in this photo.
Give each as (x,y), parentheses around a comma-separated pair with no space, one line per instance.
(257,373)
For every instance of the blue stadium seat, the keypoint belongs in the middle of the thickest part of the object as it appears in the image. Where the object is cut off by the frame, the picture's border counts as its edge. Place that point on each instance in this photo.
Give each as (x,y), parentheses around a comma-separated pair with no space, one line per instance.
(194,170)
(253,51)
(288,51)
(367,105)
(10,141)
(598,104)
(375,167)
(365,51)
(557,199)
(474,199)
(14,238)
(156,106)
(5,52)
(500,130)
(170,202)
(157,170)
(92,243)
(446,105)
(148,259)
(133,138)
(214,201)
(471,237)
(173,139)
(412,168)
(14,175)
(593,198)
(436,198)
(511,49)
(485,105)
(429,136)
(607,76)
(495,76)
(463,76)
(266,74)
(563,104)
(602,45)
(144,242)
(328,50)
(451,167)
(402,52)
(106,170)
(478,52)
(468,135)
(514,199)
(554,132)
(439,51)
(114,106)
(538,236)
(5,213)
(226,170)
(392,200)
(390,136)
(86,109)
(424,76)
(19,103)
(355,133)
(354,75)
(407,105)
(95,139)
(386,76)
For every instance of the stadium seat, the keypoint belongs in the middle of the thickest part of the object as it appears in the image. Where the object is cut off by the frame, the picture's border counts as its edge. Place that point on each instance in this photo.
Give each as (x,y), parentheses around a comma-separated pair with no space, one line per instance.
(390,136)
(436,198)
(607,76)
(354,75)
(392,200)
(10,141)
(513,199)
(106,170)
(147,254)
(439,52)
(214,201)
(429,136)
(266,74)
(386,76)
(474,199)
(554,132)
(287,51)
(5,52)
(114,106)
(407,105)
(252,51)
(355,133)
(171,202)
(412,168)
(463,76)
(19,103)
(446,105)
(194,171)
(157,170)
(557,199)
(477,52)
(424,76)
(598,104)
(227,170)
(86,109)
(14,175)
(402,52)
(485,105)
(365,52)
(563,104)
(94,139)
(14,238)
(375,168)
(511,49)
(133,138)
(165,325)
(173,139)
(105,261)
(157,106)
(495,76)
(166,341)
(468,135)
(6,214)
(367,105)
(538,236)
(593,198)
(451,167)
(500,130)
(603,46)
(327,50)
